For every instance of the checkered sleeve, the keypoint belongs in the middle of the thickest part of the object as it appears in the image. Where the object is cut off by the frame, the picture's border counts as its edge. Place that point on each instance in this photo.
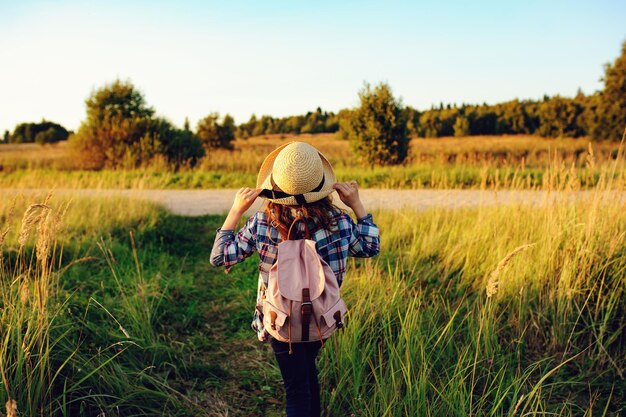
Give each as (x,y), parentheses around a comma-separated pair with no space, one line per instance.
(364,239)
(230,248)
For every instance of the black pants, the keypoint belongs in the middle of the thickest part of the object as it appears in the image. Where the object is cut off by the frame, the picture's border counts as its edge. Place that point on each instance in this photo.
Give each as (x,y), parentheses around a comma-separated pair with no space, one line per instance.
(299,377)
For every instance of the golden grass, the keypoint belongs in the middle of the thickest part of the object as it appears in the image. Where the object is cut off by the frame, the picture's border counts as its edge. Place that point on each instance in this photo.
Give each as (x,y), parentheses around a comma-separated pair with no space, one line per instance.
(485,162)
(526,150)
(32,155)
(248,154)
(418,326)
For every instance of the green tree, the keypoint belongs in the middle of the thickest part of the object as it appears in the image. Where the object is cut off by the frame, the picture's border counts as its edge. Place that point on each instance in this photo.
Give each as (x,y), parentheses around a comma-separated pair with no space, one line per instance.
(611,109)
(214,134)
(483,120)
(119,130)
(6,137)
(226,132)
(461,126)
(206,130)
(511,118)
(412,117)
(430,125)
(41,133)
(589,119)
(558,117)
(244,130)
(377,129)
(180,147)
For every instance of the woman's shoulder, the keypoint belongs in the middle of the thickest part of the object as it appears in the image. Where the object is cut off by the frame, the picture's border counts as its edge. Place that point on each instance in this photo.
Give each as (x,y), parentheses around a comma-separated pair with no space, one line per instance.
(260,220)
(341,223)
(260,216)
(342,216)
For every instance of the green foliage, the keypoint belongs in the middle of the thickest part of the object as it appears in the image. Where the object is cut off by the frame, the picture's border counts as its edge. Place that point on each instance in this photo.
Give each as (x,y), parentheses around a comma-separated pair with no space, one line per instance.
(461,126)
(511,118)
(377,130)
(79,325)
(611,106)
(180,147)
(552,117)
(41,133)
(412,117)
(558,117)
(121,131)
(214,134)
(318,121)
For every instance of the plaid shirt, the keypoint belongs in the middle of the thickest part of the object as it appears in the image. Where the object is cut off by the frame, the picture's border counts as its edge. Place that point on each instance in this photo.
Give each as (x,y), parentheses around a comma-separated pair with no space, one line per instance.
(345,239)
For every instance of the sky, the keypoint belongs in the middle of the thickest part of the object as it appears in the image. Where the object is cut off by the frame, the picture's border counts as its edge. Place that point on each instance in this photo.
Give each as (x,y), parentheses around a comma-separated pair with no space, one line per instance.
(191,58)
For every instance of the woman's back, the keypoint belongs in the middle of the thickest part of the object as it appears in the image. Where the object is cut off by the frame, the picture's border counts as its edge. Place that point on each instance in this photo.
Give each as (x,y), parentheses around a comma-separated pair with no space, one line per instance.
(296,178)
(334,244)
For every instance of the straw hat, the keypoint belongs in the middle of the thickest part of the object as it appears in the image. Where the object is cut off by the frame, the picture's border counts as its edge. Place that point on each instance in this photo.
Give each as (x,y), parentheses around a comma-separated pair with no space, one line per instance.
(295,173)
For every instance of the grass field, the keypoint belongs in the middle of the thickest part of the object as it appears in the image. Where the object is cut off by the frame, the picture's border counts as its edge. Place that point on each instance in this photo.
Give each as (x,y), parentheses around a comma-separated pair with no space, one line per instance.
(496,310)
(465,312)
(471,162)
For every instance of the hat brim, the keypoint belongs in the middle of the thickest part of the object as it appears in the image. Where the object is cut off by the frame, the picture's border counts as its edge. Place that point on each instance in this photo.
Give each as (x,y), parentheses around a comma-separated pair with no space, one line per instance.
(264,179)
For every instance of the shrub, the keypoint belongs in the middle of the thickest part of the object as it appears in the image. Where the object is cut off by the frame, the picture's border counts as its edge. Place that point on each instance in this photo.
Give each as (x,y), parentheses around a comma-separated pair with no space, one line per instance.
(377,130)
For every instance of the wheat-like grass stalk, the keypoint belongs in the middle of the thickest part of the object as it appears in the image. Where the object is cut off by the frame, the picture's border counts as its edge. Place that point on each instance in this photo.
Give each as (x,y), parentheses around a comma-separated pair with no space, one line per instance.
(11,406)
(44,235)
(32,216)
(47,230)
(3,235)
(493,282)
(24,292)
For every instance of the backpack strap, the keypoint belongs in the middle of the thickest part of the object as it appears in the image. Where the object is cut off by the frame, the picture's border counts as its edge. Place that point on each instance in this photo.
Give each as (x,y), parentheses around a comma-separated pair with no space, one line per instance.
(306,310)
(299,218)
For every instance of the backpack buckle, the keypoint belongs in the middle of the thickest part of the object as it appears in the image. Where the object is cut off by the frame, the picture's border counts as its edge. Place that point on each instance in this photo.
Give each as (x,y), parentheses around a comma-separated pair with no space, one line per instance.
(307,308)
(338,321)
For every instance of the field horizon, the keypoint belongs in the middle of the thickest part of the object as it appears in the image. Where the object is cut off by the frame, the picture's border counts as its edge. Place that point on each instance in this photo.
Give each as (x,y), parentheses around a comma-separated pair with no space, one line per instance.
(476,162)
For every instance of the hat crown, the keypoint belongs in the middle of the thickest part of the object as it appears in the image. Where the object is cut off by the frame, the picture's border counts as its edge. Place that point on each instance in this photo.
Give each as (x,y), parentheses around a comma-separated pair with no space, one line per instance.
(298,168)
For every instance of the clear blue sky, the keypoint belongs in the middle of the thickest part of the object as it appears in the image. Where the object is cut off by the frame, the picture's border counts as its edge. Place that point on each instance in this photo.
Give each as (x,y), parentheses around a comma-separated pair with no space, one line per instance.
(286,57)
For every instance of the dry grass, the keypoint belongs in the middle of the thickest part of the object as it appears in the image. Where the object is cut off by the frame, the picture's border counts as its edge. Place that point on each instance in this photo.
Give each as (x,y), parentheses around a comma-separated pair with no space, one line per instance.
(525,150)
(493,282)
(485,162)
(32,155)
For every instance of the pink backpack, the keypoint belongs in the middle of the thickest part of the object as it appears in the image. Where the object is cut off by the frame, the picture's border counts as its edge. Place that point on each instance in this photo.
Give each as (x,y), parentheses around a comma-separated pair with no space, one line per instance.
(302,302)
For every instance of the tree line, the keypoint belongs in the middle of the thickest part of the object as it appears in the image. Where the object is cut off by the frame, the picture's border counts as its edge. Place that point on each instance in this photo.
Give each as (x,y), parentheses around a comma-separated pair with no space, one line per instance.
(601,115)
(121,130)
(318,121)
(41,133)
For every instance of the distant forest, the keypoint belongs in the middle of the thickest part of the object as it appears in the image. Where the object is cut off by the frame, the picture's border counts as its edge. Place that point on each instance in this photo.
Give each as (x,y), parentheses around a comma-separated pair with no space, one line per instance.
(551,117)
(601,115)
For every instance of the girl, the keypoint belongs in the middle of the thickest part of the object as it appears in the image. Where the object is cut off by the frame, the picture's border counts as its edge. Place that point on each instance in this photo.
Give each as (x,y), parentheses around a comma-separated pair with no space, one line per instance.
(296,180)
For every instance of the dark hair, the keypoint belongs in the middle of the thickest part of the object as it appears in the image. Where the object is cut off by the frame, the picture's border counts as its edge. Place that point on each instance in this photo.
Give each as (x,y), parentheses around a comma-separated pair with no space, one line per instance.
(320,214)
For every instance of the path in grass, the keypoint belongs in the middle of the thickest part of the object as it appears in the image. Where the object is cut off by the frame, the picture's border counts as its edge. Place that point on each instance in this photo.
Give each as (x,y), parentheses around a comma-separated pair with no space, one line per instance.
(228,372)
(202,202)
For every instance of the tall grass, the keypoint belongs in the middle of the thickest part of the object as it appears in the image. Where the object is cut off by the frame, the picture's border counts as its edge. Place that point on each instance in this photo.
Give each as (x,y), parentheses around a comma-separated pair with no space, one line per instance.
(497,310)
(503,311)
(474,162)
(65,351)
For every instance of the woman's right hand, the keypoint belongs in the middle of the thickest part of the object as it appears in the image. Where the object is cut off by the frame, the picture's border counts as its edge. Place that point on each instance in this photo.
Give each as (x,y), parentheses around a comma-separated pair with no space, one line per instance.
(244,199)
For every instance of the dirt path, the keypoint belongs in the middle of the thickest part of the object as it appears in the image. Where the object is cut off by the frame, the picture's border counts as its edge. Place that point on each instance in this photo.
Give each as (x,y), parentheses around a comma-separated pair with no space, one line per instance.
(200,202)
